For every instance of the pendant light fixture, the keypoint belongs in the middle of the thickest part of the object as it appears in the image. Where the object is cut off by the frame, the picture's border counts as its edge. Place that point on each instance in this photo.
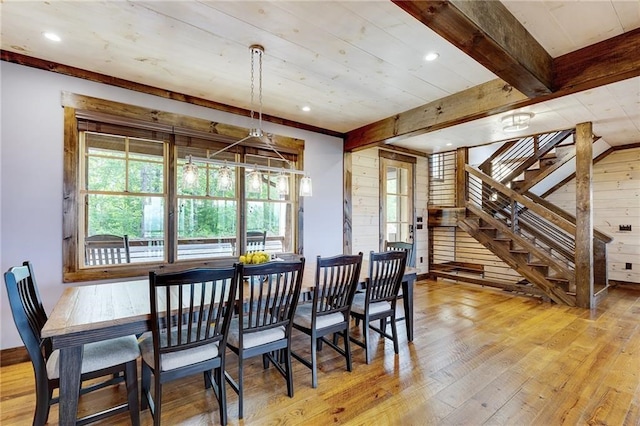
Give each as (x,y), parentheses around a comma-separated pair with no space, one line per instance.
(282,183)
(225,178)
(189,172)
(225,173)
(306,189)
(255,181)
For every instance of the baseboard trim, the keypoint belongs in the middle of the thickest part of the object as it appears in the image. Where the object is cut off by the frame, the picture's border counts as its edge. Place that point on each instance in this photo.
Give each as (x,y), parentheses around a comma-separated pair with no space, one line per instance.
(13,356)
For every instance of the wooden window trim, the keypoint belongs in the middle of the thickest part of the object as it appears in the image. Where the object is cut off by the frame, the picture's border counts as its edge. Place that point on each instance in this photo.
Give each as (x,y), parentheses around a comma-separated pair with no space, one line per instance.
(207,133)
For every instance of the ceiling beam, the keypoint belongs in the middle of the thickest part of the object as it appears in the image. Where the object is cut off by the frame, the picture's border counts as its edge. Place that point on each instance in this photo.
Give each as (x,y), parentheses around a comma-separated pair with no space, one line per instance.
(492,36)
(600,64)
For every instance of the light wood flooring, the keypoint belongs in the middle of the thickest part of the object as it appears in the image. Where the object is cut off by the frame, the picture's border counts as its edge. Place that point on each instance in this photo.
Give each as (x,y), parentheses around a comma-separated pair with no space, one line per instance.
(480,356)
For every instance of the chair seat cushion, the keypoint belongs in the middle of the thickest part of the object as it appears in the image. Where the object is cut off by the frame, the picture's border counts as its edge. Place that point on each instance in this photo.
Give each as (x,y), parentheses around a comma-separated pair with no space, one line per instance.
(303,317)
(357,305)
(250,340)
(99,355)
(173,360)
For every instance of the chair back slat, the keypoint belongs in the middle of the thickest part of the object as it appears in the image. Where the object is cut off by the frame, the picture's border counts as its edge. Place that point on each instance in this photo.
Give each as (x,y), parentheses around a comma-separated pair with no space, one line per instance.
(336,283)
(28,314)
(192,308)
(256,241)
(386,270)
(401,245)
(106,249)
(270,293)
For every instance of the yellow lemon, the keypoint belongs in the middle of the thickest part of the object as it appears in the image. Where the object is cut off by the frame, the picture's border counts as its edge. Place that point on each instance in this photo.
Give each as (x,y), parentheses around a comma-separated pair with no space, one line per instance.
(242,259)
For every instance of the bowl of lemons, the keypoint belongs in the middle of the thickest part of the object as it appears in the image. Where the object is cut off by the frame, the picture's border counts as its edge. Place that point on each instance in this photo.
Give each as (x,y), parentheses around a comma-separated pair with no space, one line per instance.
(254,258)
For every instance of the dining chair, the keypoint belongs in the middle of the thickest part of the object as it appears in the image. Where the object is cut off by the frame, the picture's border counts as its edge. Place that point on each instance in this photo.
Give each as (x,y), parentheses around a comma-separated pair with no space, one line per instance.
(256,241)
(378,302)
(329,312)
(402,245)
(99,359)
(269,295)
(411,260)
(190,315)
(106,249)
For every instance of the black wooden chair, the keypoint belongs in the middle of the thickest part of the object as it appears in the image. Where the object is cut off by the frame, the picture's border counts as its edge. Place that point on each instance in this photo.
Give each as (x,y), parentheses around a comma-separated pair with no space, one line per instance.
(336,280)
(100,359)
(411,259)
(256,241)
(190,314)
(401,245)
(263,325)
(378,302)
(106,249)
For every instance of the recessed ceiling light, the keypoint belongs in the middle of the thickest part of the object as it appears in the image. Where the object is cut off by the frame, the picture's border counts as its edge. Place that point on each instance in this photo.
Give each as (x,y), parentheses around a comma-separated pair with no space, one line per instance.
(306,108)
(51,36)
(432,56)
(449,144)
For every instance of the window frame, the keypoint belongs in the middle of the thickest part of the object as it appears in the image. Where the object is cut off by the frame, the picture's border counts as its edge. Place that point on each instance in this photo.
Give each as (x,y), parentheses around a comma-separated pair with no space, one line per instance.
(436,166)
(80,110)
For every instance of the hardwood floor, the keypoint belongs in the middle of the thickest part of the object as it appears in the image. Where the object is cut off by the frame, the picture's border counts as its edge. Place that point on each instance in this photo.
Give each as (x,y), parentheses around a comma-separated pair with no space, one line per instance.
(480,356)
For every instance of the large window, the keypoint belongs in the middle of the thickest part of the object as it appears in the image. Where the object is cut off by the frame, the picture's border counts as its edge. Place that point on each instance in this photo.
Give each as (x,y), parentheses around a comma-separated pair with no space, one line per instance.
(128,208)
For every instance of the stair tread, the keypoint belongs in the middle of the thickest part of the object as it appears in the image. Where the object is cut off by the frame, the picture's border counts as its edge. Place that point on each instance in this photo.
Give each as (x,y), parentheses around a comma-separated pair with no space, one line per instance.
(559,279)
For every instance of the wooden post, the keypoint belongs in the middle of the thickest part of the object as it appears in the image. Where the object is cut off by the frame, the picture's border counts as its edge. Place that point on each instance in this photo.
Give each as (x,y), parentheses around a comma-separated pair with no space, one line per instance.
(462,158)
(347,226)
(584,215)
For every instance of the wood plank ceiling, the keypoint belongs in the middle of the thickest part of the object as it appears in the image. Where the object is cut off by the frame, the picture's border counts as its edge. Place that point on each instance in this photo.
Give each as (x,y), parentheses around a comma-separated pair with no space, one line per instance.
(359,65)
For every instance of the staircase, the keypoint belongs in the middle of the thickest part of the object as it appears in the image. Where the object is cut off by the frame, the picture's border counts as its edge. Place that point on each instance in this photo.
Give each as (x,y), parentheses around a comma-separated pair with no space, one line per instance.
(531,240)
(530,235)
(522,163)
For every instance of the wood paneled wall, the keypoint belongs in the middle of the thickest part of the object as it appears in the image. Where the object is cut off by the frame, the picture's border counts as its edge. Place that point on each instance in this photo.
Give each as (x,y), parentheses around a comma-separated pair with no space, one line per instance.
(616,201)
(365,194)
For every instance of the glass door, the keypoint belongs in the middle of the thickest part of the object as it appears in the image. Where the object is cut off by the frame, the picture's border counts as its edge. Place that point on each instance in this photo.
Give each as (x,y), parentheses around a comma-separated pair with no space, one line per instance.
(396,222)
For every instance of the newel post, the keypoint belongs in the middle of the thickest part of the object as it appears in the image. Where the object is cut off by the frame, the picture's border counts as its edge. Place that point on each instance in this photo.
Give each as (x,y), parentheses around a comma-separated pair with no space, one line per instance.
(584,215)
(462,158)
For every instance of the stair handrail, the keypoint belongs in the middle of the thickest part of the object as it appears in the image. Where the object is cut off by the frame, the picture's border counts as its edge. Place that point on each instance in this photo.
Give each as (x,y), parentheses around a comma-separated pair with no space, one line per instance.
(516,156)
(568,216)
(547,214)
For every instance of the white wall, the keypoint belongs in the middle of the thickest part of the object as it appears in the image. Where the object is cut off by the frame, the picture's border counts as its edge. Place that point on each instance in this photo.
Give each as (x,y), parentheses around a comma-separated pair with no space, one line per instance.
(31,152)
(615,202)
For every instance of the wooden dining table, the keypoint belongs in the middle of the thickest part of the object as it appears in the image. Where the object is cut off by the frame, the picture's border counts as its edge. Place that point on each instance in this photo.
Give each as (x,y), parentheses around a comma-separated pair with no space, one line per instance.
(91,313)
